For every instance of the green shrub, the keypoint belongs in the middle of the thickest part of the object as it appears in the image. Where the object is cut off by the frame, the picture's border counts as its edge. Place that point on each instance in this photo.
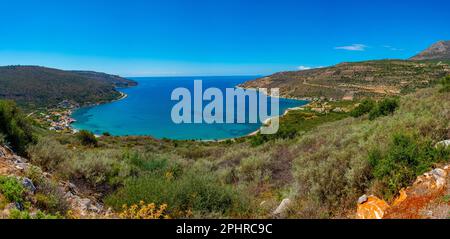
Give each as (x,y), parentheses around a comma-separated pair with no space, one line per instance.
(48,154)
(98,168)
(87,138)
(406,158)
(364,108)
(384,108)
(12,189)
(16,214)
(14,126)
(445,82)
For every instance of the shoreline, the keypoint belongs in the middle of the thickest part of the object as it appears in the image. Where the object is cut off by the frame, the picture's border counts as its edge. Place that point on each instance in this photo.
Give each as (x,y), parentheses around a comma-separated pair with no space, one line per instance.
(280,116)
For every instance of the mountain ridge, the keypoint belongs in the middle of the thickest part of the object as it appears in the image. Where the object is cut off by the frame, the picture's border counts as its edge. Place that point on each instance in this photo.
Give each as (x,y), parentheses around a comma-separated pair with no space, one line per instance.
(438,51)
(350,80)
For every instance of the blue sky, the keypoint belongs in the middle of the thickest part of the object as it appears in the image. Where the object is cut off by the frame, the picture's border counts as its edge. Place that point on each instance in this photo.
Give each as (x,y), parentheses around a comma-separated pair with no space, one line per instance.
(212,37)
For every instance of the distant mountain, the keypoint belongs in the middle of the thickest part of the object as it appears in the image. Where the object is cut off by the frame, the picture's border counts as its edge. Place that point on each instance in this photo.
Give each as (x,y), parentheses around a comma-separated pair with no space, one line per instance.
(438,51)
(34,86)
(355,80)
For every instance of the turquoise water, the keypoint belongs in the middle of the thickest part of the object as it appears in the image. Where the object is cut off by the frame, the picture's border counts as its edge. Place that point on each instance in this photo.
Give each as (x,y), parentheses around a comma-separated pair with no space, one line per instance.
(147,111)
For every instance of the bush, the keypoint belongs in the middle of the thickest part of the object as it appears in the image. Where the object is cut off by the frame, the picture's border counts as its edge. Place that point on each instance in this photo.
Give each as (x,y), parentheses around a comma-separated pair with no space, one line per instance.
(53,202)
(16,214)
(365,107)
(87,138)
(14,126)
(199,192)
(384,108)
(50,198)
(445,82)
(12,189)
(48,154)
(405,159)
(98,169)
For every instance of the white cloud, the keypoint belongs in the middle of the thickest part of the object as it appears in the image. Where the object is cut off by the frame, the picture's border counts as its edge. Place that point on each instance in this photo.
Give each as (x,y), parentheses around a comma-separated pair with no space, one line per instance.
(353,47)
(392,48)
(303,68)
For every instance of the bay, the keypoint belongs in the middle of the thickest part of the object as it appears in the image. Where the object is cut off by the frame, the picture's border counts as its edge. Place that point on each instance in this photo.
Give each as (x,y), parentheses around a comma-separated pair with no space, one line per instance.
(147,111)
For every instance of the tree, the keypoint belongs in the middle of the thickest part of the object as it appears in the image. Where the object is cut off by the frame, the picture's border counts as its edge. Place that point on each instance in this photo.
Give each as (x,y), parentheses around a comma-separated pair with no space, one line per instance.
(15,127)
(365,107)
(87,138)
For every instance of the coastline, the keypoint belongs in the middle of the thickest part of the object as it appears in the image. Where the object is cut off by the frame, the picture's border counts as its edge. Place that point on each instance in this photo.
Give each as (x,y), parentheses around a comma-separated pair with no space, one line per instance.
(280,116)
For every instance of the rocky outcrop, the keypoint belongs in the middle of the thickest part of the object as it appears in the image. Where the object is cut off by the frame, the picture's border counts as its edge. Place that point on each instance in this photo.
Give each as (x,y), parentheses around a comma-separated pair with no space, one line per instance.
(80,206)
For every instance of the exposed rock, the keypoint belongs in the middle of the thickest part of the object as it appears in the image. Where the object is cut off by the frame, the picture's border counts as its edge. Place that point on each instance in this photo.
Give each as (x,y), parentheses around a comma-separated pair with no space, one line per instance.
(19,206)
(445,143)
(19,160)
(401,198)
(363,199)
(282,209)
(440,177)
(28,184)
(84,204)
(68,186)
(372,208)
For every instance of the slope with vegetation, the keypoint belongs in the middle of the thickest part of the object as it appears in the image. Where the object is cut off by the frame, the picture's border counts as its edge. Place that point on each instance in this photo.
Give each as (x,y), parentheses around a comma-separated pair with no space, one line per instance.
(355,80)
(33,86)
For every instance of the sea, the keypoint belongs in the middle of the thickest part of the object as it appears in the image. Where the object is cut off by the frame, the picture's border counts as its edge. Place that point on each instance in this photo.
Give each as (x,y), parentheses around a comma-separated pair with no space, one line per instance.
(146,111)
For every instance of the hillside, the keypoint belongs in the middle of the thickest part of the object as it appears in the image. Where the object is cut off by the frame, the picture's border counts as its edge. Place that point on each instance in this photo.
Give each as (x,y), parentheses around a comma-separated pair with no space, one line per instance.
(39,86)
(438,51)
(355,80)
(117,81)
